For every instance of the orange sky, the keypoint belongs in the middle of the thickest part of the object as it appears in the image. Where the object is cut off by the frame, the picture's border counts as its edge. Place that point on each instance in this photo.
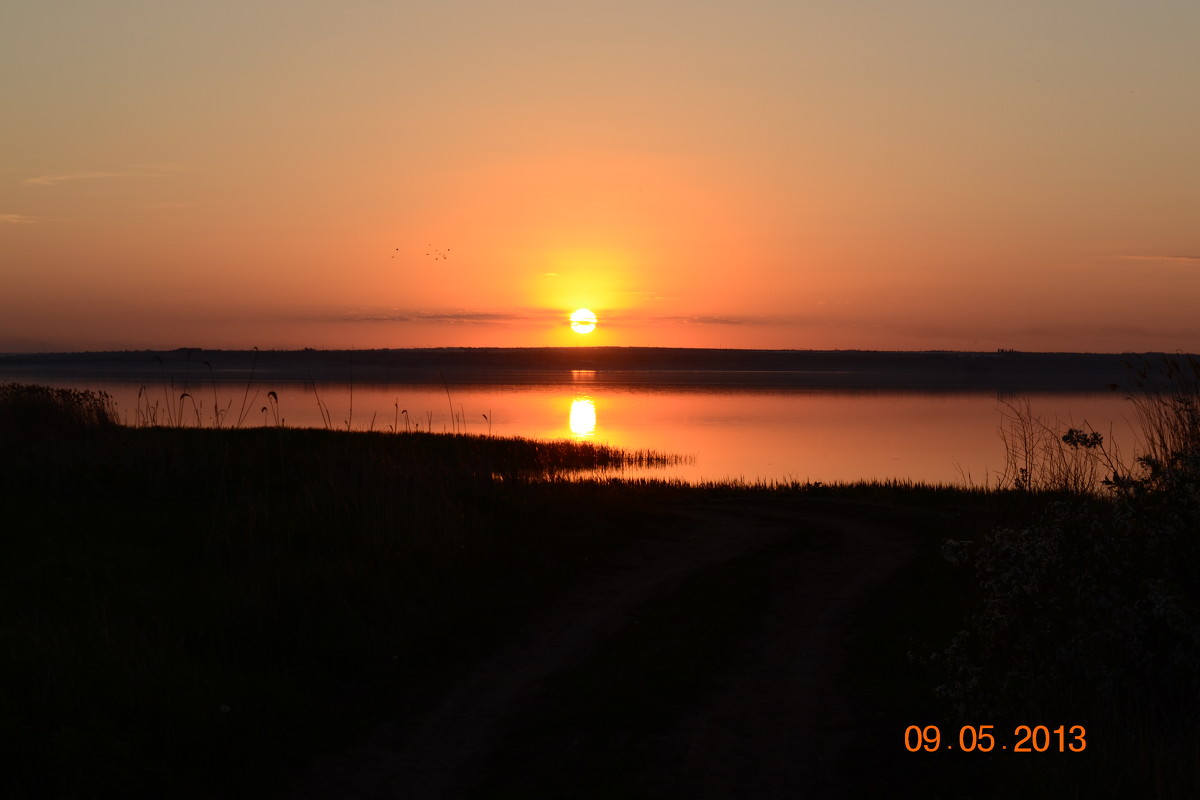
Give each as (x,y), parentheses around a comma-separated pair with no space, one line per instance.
(925,175)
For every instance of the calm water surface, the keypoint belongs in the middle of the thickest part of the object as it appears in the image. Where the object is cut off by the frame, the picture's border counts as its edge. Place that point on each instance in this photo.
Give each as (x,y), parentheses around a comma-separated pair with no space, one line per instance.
(806,435)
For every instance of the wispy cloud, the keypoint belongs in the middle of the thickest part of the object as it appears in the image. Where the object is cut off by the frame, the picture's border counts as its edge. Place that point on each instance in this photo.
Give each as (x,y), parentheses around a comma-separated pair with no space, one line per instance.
(542,316)
(539,316)
(140,171)
(450,317)
(704,319)
(1153,257)
(54,179)
(698,319)
(17,219)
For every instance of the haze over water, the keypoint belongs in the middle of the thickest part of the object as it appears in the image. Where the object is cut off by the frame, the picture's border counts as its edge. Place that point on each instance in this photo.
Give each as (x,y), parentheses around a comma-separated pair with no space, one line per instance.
(750,414)
(817,435)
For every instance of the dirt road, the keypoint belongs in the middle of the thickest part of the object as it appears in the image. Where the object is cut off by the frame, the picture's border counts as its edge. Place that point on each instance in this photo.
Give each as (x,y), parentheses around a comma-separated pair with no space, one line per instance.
(706,664)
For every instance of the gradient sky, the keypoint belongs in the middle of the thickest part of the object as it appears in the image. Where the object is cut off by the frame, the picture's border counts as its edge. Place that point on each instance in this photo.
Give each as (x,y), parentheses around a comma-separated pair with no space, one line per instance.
(931,174)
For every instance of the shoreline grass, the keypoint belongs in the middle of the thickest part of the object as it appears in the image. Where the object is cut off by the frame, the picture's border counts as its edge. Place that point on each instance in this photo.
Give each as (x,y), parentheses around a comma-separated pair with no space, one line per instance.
(176,598)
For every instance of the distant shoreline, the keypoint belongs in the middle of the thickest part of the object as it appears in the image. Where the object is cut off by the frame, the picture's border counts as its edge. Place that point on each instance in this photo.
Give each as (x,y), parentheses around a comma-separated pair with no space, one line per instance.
(1004,371)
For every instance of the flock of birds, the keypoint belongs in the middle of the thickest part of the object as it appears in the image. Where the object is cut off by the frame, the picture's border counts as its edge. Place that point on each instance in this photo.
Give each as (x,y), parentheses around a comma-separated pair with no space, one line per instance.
(434,253)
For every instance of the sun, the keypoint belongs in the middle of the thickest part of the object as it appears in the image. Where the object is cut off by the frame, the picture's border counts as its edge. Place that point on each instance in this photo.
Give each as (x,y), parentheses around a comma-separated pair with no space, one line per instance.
(583,321)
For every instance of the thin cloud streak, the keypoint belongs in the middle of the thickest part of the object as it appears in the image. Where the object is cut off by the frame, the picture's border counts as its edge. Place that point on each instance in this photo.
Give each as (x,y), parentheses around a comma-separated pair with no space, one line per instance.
(707,320)
(459,317)
(1184,258)
(145,171)
(64,177)
(17,219)
(542,316)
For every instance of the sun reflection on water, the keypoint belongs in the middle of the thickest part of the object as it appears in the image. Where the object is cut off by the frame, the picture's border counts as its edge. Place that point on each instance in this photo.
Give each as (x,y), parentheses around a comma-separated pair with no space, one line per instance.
(583,417)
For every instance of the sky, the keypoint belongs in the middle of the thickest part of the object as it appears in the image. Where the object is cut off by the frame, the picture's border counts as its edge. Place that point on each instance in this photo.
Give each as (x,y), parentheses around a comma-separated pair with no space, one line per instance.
(859,174)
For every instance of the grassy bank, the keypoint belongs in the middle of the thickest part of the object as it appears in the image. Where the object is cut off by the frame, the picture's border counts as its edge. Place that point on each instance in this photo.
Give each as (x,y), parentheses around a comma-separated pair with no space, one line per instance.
(202,612)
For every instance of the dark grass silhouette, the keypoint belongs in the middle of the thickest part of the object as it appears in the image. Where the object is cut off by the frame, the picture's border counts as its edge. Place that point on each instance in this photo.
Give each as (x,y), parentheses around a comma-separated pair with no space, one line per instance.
(46,410)
(201,612)
(1087,611)
(201,608)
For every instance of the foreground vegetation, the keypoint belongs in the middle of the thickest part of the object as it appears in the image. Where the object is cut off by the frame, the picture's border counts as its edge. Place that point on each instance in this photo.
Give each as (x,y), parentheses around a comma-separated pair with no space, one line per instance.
(193,612)
(1085,609)
(205,609)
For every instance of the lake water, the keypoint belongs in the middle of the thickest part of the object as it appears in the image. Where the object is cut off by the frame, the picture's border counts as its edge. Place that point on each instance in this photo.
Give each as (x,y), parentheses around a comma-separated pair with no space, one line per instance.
(757,434)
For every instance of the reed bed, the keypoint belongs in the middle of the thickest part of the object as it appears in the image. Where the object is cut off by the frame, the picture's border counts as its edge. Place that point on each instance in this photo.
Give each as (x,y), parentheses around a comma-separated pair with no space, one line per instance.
(51,410)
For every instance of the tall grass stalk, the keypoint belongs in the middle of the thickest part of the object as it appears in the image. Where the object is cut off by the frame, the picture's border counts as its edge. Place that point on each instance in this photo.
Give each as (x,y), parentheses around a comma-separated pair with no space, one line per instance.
(1167,398)
(1041,457)
(326,416)
(247,403)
